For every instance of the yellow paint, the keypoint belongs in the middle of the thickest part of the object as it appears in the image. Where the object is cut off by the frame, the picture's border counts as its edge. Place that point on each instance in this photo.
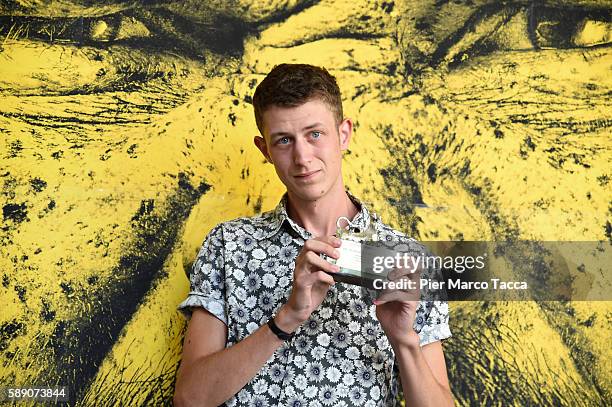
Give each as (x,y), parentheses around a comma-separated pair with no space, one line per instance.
(484,109)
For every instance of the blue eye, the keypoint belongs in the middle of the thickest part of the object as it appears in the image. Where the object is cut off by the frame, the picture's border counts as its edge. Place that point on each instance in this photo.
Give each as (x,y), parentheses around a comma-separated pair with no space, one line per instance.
(283,140)
(316,134)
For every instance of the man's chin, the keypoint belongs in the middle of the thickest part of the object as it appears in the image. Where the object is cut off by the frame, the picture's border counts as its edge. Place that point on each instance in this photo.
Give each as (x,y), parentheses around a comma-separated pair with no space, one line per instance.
(309,193)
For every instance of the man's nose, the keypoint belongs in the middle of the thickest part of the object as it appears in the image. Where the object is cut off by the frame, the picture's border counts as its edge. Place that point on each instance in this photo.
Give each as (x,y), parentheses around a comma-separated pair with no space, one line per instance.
(302,152)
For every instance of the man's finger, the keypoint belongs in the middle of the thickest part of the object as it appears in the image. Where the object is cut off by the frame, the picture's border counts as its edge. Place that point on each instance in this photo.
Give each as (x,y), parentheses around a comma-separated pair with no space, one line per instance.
(323,277)
(320,247)
(330,240)
(316,263)
(391,295)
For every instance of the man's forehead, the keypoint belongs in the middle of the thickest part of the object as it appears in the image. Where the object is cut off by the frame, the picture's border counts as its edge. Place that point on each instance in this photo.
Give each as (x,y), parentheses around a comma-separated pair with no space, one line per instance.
(295,118)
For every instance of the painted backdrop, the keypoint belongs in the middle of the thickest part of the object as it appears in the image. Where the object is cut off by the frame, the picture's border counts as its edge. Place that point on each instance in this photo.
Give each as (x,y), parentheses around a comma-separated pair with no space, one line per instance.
(126,135)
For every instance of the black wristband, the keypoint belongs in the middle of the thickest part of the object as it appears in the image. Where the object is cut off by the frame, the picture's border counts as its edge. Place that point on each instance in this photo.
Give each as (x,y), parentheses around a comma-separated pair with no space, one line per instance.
(282,335)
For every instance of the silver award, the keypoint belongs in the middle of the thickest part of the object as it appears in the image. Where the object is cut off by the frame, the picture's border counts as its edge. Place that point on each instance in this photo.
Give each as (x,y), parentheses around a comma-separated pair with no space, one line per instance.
(353,253)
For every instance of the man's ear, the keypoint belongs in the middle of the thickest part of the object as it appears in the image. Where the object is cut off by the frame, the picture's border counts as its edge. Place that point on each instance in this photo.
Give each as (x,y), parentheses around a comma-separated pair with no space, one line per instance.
(260,142)
(346,131)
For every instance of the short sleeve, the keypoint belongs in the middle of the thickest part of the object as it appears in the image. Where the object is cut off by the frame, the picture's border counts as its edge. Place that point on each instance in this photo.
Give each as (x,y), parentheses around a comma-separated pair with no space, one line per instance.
(431,321)
(207,278)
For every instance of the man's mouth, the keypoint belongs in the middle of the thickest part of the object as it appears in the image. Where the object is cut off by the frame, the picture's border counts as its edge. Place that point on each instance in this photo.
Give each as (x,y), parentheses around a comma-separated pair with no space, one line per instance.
(306,175)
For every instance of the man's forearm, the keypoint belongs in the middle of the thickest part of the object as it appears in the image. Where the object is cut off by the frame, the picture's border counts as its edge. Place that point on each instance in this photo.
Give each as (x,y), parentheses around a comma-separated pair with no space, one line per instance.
(419,385)
(215,378)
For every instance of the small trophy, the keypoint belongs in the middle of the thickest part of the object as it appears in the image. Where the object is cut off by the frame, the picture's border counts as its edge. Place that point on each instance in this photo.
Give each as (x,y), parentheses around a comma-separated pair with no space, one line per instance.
(353,251)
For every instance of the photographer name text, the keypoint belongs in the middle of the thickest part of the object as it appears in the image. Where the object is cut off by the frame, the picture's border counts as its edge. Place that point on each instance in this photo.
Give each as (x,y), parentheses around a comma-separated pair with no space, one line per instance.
(450,284)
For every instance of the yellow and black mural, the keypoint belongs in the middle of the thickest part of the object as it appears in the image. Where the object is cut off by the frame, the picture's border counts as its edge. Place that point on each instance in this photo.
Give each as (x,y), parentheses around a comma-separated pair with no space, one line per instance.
(126,135)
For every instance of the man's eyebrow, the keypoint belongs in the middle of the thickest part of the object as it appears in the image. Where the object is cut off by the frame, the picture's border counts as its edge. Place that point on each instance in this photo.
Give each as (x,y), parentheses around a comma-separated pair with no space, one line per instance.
(284,133)
(312,126)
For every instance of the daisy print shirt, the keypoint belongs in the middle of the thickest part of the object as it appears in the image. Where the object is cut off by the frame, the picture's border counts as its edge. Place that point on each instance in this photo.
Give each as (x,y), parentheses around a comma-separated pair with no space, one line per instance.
(340,356)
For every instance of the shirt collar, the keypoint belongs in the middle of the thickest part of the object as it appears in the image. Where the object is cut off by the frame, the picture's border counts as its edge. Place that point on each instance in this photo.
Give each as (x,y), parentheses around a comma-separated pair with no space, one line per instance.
(278,216)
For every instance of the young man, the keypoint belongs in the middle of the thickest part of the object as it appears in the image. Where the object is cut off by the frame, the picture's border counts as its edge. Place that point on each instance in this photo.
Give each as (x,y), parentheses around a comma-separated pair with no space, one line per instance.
(267,325)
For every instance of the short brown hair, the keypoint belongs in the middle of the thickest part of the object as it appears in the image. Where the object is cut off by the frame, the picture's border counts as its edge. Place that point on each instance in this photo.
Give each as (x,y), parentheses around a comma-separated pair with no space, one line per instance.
(290,85)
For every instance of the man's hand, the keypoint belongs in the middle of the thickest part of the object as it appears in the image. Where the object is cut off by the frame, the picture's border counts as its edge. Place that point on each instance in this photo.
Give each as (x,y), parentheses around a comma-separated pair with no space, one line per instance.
(397,319)
(396,309)
(310,282)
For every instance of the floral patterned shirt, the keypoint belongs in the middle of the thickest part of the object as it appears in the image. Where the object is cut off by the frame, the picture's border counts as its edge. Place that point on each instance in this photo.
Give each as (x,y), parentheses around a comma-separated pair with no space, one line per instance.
(340,356)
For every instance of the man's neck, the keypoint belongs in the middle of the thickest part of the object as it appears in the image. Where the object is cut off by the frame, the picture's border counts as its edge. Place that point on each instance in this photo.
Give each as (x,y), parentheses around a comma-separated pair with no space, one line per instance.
(319,217)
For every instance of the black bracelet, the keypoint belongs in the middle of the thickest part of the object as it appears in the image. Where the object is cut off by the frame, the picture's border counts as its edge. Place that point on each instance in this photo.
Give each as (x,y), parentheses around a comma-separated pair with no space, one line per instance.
(282,335)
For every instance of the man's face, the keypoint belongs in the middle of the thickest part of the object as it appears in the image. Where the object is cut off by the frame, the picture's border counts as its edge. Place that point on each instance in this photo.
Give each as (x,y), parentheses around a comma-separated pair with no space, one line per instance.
(305,145)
